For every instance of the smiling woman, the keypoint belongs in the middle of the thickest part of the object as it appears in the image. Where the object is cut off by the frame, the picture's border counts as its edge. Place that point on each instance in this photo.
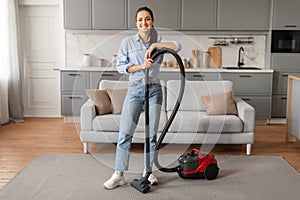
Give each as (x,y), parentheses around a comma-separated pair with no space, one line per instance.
(11,103)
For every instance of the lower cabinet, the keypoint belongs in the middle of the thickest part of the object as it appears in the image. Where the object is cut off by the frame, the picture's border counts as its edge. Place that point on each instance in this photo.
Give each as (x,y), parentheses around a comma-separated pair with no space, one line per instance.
(254,88)
(74,84)
(279,96)
(279,105)
(262,105)
(71,104)
(190,76)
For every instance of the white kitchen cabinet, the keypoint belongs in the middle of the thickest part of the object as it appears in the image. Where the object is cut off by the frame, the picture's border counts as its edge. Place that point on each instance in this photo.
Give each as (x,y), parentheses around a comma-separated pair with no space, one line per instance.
(198,14)
(243,14)
(166,12)
(77,14)
(109,14)
(286,14)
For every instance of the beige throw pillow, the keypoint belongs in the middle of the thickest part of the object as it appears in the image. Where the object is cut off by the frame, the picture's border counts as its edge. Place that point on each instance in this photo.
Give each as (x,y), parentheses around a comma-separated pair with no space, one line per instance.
(101,100)
(220,104)
(117,97)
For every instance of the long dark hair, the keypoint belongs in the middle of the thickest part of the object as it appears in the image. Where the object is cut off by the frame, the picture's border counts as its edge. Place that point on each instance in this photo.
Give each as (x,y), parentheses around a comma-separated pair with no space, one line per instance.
(153,32)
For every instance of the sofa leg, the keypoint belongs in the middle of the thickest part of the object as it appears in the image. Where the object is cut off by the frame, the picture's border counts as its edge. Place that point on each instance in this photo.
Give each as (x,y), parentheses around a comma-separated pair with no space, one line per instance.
(85,147)
(248,149)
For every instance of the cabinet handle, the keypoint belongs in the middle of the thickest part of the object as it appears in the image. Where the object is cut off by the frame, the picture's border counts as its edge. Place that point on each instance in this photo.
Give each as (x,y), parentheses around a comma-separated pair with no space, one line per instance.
(245,76)
(74,74)
(198,76)
(285,75)
(246,99)
(107,75)
(74,97)
(283,98)
(290,25)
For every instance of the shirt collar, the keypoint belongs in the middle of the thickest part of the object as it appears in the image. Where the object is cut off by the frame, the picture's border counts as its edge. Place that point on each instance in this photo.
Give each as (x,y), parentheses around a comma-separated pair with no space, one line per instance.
(137,38)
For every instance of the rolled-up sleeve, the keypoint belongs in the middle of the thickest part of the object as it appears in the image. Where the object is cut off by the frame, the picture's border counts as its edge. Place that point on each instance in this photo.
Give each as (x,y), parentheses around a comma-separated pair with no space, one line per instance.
(178,44)
(123,63)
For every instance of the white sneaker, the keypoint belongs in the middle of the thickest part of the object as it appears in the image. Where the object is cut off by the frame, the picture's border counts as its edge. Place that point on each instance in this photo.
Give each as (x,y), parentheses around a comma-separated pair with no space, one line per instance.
(153,180)
(117,179)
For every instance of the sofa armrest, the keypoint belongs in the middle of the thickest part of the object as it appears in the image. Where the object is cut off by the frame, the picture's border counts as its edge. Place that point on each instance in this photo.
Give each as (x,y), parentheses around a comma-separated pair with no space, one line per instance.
(87,114)
(246,113)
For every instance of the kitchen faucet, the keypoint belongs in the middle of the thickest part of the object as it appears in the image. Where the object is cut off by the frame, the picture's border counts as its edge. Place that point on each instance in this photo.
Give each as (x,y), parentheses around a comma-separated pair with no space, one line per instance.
(241,57)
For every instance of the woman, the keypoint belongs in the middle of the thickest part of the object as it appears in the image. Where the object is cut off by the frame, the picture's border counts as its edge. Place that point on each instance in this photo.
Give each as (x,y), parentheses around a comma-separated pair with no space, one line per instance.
(133,59)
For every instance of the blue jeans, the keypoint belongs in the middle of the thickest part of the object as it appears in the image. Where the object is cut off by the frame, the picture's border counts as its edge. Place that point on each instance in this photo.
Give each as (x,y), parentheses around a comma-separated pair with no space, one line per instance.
(132,108)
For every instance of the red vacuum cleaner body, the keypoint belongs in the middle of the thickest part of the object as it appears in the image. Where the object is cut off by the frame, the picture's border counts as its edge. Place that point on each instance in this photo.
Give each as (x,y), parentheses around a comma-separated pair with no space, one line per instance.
(195,165)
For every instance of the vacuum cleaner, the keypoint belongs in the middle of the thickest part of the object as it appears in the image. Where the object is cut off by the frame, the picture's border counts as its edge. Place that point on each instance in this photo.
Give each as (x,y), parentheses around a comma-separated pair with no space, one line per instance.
(192,165)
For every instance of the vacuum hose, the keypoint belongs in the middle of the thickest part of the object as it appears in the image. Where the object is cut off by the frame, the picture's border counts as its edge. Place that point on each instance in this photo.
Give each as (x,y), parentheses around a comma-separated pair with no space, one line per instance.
(176,107)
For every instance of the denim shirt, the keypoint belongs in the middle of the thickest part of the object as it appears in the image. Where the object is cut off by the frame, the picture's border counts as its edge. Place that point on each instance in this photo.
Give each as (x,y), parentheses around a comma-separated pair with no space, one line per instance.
(132,51)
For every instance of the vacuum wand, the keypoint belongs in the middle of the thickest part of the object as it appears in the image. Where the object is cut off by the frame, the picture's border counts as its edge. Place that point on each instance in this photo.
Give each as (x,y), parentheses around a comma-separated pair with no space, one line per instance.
(142,184)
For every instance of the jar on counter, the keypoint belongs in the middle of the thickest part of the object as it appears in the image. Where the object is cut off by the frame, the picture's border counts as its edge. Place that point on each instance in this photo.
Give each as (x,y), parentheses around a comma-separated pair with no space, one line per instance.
(86,61)
(114,60)
(101,62)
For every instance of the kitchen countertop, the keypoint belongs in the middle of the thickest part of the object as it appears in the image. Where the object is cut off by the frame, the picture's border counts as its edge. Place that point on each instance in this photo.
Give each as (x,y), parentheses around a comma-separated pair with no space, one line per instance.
(167,69)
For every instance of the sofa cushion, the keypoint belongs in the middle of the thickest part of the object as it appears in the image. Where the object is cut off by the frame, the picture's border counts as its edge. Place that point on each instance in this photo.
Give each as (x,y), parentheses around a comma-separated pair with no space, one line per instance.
(110,122)
(220,104)
(101,100)
(117,97)
(105,84)
(193,91)
(192,122)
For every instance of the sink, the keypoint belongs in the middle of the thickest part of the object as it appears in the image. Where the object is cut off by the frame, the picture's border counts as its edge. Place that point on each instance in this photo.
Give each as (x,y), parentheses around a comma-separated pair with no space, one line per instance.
(242,68)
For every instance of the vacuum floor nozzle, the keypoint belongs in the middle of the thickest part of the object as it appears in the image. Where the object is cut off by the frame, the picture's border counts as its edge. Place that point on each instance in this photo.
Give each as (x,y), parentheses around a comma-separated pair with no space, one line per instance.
(141,185)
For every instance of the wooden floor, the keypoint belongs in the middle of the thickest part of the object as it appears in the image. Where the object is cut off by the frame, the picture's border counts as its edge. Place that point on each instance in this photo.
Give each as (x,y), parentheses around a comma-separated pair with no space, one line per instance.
(19,143)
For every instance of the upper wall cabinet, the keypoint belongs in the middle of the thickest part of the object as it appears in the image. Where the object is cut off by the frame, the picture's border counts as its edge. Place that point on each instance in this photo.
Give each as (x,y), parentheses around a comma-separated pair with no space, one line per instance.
(243,14)
(77,14)
(109,14)
(286,14)
(198,14)
(166,12)
(95,14)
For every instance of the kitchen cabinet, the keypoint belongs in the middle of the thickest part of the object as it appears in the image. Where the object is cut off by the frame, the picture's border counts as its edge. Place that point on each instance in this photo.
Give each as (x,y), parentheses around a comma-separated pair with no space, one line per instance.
(285,61)
(96,77)
(198,14)
(202,76)
(286,14)
(279,97)
(243,14)
(95,14)
(166,12)
(190,76)
(109,14)
(254,88)
(284,64)
(73,86)
(77,14)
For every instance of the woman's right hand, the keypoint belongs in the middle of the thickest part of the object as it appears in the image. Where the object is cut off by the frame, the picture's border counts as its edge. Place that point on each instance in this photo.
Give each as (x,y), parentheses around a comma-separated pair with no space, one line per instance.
(147,63)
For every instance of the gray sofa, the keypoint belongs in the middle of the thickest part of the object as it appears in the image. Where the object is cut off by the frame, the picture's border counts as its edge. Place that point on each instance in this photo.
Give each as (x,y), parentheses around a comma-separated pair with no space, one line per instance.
(192,124)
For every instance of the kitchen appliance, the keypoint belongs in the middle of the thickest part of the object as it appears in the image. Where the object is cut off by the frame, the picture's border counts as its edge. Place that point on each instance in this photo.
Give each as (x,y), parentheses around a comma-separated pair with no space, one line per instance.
(215,54)
(285,41)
